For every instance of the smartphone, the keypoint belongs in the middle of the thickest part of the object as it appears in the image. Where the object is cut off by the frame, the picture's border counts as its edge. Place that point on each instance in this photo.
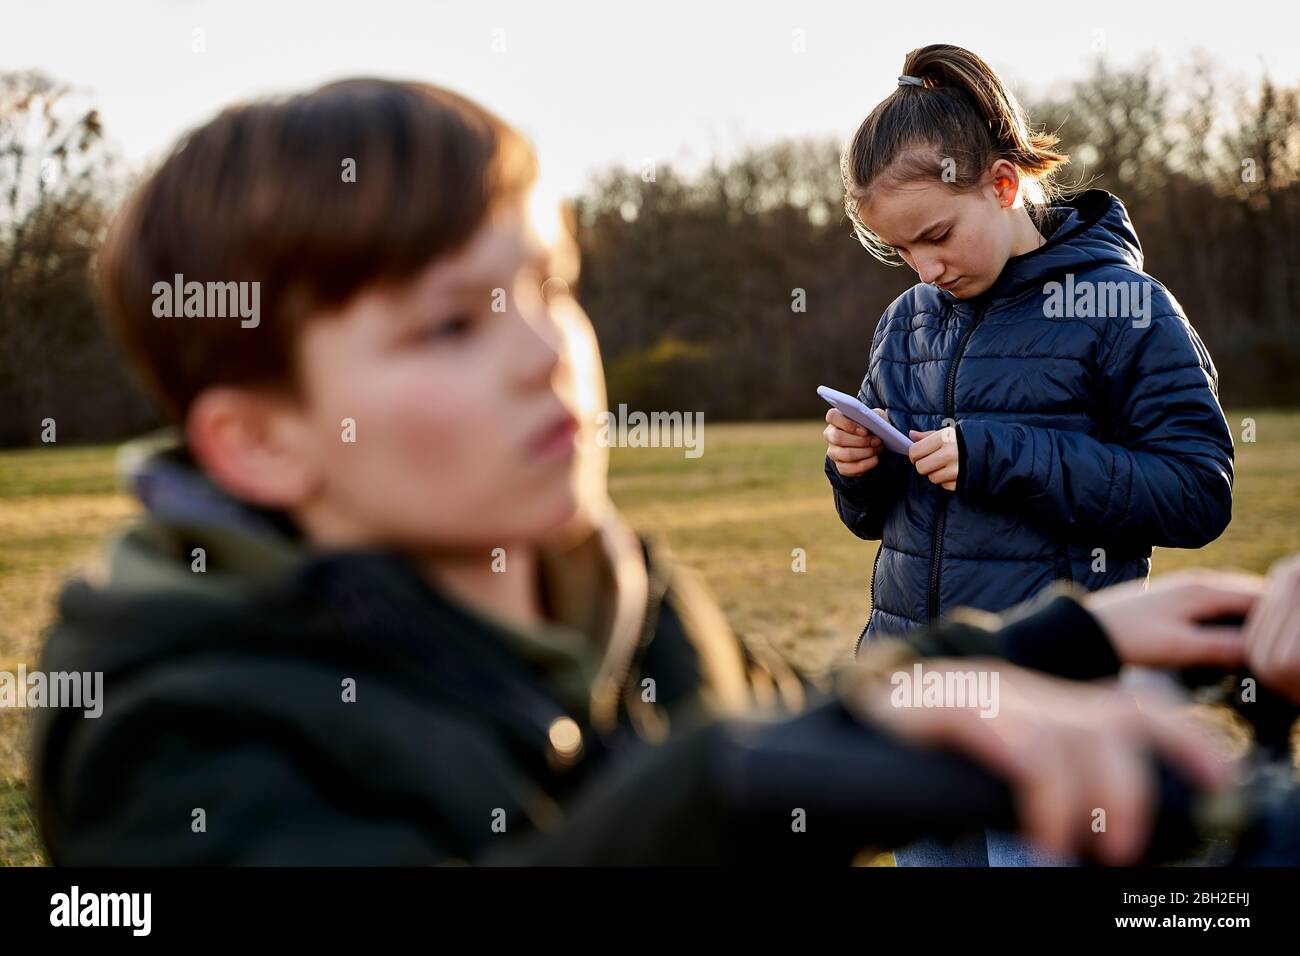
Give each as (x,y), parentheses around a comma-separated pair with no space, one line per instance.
(853,409)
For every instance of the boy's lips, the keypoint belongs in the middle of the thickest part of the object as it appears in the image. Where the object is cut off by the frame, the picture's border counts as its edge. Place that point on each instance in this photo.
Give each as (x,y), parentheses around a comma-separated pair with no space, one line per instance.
(947,286)
(556,439)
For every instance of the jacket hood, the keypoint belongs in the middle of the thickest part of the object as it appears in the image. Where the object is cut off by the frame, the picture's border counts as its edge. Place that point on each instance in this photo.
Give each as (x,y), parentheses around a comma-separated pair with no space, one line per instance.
(1089,230)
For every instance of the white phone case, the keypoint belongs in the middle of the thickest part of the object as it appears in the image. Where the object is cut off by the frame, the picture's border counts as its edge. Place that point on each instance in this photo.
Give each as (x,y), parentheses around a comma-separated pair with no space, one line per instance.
(852,408)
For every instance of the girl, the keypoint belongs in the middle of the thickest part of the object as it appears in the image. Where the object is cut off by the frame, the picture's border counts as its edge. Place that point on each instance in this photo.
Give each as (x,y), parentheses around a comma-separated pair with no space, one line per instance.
(1064,412)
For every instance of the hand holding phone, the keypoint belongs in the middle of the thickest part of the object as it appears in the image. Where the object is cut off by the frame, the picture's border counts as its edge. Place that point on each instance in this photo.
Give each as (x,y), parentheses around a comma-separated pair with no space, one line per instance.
(872,420)
(854,450)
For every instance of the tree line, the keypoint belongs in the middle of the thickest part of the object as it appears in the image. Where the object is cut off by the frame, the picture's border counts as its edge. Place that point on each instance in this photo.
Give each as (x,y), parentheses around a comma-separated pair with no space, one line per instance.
(736,290)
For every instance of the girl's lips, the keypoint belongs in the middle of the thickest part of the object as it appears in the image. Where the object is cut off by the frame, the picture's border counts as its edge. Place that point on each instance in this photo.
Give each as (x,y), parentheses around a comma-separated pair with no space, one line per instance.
(947,286)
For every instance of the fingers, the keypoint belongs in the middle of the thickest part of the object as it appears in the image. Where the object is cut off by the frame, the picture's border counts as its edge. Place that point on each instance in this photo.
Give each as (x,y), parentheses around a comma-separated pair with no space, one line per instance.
(839,420)
(935,456)
(1272,631)
(1075,755)
(940,465)
(923,444)
(847,455)
(854,450)
(1163,626)
(835,435)
(1221,593)
(1046,794)
(1185,748)
(1123,788)
(1205,646)
(1060,773)
(930,463)
(943,475)
(853,469)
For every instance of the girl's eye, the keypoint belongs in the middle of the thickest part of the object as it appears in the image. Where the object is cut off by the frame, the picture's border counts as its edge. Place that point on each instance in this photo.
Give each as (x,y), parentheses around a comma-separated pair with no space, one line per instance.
(946,233)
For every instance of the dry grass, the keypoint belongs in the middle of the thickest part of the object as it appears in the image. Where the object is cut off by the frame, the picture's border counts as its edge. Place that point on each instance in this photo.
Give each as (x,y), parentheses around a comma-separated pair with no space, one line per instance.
(758,492)
(737,514)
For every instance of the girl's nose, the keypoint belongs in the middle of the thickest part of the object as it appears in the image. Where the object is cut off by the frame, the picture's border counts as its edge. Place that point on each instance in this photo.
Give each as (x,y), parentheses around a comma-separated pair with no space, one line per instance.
(929,270)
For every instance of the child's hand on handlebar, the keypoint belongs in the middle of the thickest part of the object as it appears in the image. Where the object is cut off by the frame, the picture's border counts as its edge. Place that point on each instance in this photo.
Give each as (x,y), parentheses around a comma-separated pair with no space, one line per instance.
(1272,630)
(1066,748)
(1165,624)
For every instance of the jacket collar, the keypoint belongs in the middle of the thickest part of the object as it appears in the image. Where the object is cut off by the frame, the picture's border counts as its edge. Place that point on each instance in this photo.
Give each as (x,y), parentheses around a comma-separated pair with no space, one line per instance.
(1090,229)
(596,587)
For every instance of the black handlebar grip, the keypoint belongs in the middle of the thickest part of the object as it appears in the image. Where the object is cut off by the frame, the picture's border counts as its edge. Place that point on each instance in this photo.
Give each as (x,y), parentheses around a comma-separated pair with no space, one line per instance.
(1270,714)
(859,787)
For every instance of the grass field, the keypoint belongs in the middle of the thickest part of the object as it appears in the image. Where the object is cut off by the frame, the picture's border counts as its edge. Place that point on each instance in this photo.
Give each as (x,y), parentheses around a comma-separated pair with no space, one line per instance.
(736,513)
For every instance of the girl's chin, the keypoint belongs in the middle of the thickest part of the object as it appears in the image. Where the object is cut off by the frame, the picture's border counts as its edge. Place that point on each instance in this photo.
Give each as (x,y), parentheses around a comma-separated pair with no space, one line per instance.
(967,288)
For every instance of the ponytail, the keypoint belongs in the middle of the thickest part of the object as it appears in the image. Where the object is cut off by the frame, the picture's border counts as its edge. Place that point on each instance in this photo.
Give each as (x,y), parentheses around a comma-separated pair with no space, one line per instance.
(952,126)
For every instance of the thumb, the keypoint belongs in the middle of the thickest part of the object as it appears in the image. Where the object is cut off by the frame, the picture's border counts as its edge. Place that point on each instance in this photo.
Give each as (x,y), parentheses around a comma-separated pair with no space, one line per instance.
(913,434)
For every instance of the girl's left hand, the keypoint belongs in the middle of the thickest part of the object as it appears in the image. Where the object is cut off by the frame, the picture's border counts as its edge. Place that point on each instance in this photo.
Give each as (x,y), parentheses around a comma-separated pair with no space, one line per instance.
(935,454)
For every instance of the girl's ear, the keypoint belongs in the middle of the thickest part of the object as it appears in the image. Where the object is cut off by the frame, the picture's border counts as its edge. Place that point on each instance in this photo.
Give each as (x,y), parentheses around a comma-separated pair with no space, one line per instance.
(1006,183)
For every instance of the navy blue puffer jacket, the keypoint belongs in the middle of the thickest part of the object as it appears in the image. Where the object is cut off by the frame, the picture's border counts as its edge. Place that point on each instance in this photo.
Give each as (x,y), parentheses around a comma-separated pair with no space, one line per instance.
(1088,427)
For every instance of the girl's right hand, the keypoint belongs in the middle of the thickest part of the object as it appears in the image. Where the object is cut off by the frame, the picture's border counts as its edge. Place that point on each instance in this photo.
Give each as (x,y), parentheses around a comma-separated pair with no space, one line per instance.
(854,450)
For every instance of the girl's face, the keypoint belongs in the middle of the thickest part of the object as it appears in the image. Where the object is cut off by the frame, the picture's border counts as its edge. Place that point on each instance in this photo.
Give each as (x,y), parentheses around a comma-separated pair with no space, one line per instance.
(957,240)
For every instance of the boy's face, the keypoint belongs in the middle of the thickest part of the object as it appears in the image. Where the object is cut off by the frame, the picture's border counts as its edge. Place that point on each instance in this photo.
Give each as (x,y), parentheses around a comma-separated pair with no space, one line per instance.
(959,241)
(465,411)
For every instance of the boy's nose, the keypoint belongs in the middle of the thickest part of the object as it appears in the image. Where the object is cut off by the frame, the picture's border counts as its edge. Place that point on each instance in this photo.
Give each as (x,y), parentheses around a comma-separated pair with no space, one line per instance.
(541,347)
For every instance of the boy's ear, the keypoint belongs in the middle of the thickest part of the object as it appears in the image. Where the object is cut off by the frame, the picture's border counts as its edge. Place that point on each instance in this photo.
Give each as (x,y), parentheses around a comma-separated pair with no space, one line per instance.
(253,445)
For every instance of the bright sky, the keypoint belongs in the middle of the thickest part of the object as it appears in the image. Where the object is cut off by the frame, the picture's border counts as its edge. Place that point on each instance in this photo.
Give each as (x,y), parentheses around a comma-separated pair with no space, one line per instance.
(600,82)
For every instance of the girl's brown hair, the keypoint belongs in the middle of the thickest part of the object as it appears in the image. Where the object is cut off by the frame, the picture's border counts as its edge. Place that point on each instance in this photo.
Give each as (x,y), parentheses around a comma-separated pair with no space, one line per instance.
(951,128)
(259,194)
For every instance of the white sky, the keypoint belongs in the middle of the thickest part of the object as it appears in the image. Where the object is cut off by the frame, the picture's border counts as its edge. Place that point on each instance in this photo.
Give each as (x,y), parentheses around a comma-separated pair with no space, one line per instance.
(598,83)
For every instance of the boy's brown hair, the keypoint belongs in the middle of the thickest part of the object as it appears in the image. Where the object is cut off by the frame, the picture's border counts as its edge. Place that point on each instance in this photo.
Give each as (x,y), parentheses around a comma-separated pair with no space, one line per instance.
(259,195)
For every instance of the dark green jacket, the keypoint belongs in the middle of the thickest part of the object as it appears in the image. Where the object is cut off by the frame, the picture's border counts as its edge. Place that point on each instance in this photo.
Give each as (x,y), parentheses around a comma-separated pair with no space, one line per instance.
(286,706)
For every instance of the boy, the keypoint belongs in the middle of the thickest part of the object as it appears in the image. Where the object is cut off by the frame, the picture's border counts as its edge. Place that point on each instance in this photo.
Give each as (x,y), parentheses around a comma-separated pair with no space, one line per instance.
(379,610)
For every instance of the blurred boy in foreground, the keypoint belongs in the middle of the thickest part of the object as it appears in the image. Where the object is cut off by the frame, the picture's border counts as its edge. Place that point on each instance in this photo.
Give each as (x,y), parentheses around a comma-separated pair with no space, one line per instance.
(380,610)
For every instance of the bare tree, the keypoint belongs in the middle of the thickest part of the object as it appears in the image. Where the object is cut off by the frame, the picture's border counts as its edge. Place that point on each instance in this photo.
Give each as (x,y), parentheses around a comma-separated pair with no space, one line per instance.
(56,181)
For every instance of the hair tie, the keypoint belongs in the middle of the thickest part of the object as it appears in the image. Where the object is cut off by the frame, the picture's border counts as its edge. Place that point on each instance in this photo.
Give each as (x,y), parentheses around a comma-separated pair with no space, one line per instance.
(910,81)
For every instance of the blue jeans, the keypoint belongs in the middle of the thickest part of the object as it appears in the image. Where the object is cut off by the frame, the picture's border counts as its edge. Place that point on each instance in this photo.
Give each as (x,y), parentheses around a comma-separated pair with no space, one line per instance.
(990,848)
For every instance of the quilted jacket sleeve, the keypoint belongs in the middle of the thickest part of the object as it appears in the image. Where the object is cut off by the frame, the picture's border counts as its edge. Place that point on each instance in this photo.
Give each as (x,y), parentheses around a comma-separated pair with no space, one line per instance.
(863,501)
(1162,476)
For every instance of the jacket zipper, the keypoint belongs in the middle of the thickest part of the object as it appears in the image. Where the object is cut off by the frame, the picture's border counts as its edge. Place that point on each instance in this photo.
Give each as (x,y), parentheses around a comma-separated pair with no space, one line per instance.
(1063,570)
(871,597)
(941,512)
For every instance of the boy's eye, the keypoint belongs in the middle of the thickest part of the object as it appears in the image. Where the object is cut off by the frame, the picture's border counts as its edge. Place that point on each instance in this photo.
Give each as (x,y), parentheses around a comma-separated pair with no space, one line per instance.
(941,238)
(450,329)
